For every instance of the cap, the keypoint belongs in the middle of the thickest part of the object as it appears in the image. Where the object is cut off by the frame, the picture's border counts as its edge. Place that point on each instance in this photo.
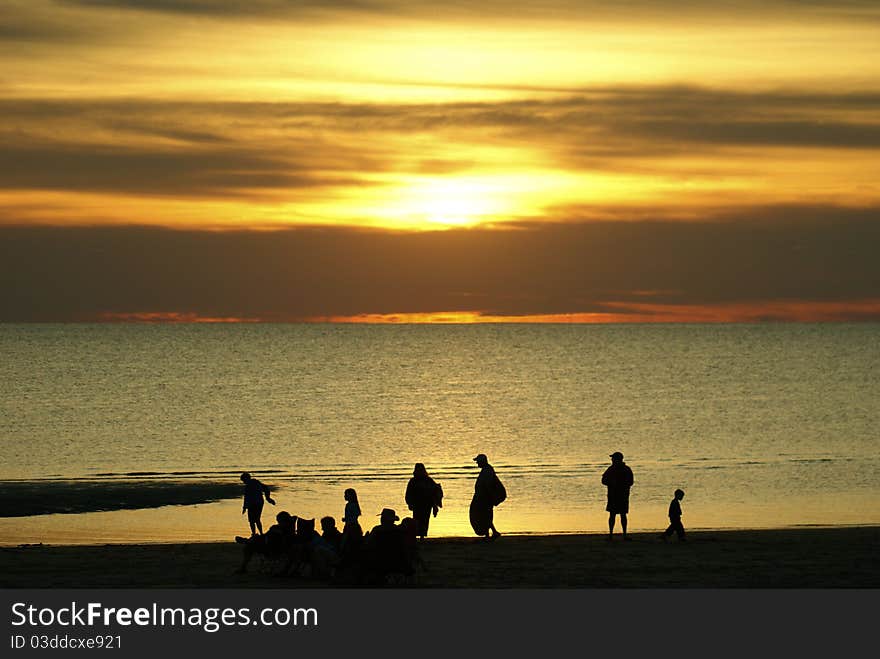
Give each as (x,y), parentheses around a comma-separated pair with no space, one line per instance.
(481,458)
(617,455)
(388,512)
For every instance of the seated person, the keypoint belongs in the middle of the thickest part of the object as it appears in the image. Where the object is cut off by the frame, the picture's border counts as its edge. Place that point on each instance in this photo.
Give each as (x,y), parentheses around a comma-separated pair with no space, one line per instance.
(385,549)
(305,531)
(277,541)
(330,534)
(410,530)
(325,549)
(303,545)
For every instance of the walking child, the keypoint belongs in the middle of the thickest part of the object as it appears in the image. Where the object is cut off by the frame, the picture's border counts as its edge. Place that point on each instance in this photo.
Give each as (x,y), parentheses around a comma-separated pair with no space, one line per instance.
(675,524)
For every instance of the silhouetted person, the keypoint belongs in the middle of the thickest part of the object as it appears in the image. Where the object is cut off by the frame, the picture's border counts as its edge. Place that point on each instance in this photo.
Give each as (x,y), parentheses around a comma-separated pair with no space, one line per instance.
(305,531)
(304,543)
(385,548)
(409,528)
(325,554)
(330,534)
(277,541)
(618,478)
(675,524)
(352,534)
(488,493)
(254,491)
(423,496)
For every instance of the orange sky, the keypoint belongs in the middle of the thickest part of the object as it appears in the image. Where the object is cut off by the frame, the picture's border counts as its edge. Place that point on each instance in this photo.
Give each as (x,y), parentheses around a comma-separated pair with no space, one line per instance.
(207,115)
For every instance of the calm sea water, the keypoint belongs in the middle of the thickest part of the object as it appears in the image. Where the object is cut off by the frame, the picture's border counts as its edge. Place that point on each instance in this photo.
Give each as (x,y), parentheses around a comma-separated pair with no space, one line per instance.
(761,425)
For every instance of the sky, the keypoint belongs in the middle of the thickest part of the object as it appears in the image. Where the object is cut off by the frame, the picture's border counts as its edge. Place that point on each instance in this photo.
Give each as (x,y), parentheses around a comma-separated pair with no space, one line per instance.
(414,161)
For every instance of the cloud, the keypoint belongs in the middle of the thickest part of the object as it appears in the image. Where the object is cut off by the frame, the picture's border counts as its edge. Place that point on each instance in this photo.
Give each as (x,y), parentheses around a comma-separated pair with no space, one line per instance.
(802,118)
(33,22)
(15,30)
(794,256)
(214,172)
(172,149)
(610,118)
(239,8)
(225,148)
(592,10)
(625,312)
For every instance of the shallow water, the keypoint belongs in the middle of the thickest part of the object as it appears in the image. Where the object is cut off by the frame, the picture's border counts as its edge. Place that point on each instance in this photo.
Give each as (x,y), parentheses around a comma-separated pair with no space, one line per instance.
(762,425)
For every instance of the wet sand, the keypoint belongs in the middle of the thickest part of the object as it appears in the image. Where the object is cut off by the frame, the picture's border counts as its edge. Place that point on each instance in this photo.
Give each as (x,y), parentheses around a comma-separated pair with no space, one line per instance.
(66,496)
(842,557)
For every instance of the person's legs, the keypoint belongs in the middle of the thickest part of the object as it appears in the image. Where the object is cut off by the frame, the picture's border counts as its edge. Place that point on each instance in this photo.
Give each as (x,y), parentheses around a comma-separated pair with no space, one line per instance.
(679,529)
(492,528)
(481,518)
(611,517)
(623,525)
(422,518)
(254,514)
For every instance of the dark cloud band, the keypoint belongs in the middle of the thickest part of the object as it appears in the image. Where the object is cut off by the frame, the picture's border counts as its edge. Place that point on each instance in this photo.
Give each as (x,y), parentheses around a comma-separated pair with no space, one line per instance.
(820,254)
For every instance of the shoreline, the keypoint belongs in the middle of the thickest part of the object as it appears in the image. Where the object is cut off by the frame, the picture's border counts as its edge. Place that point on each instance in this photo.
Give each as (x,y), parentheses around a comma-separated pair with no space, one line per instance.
(441,538)
(803,557)
(641,531)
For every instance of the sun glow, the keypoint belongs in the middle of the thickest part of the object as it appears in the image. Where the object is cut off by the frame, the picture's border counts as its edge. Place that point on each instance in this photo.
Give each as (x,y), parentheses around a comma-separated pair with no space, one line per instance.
(420,202)
(454,202)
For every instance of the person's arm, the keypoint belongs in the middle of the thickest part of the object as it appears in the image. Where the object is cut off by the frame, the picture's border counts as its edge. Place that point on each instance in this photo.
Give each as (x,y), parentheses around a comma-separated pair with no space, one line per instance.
(480,485)
(408,497)
(267,494)
(437,498)
(244,502)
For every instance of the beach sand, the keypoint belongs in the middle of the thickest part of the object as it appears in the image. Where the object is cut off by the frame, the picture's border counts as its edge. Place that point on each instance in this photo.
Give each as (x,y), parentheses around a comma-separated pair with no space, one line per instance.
(842,557)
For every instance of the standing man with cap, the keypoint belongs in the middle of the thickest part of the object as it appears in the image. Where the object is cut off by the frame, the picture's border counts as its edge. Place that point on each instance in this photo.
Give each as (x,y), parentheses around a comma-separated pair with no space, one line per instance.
(488,493)
(618,478)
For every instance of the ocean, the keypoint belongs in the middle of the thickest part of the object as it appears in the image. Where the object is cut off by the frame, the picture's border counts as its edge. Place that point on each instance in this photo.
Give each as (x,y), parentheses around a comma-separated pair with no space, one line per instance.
(138,432)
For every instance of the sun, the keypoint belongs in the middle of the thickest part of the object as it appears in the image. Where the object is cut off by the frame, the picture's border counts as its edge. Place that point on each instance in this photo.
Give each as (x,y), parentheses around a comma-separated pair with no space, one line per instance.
(455,210)
(419,203)
(453,202)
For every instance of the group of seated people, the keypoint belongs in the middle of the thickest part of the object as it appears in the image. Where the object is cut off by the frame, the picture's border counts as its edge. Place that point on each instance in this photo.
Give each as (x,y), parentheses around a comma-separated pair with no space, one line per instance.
(297,549)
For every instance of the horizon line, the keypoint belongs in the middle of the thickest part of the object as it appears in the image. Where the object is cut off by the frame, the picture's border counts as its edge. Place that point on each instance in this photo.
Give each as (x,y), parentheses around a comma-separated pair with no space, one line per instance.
(618,313)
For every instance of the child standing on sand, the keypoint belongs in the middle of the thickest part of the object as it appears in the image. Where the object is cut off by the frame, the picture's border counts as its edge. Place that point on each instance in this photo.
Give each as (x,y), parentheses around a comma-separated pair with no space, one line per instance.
(352,534)
(254,491)
(675,517)
(352,509)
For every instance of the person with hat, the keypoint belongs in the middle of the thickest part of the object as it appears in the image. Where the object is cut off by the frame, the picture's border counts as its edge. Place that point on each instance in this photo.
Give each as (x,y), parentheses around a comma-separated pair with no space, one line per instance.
(385,548)
(618,478)
(488,493)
